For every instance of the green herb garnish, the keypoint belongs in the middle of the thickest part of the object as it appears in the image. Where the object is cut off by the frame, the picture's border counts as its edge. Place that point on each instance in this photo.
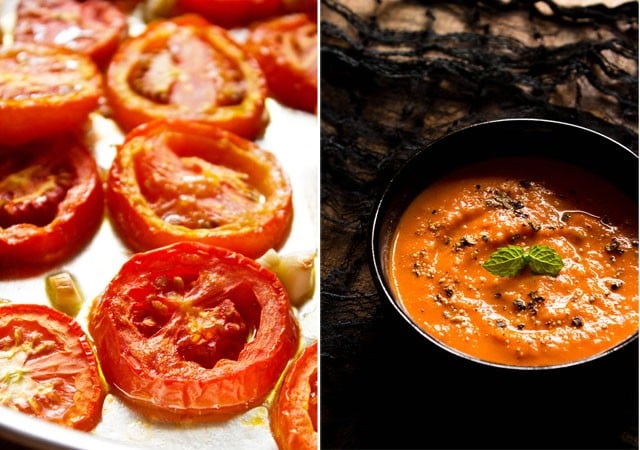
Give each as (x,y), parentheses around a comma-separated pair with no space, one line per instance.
(544,260)
(510,260)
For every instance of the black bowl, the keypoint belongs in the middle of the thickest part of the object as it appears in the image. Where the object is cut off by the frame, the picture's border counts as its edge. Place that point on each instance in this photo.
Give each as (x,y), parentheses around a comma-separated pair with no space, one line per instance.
(564,142)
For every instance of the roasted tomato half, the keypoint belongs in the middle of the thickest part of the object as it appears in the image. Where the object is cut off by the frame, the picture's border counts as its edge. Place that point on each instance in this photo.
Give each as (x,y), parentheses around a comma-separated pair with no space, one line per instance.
(191,332)
(47,367)
(51,202)
(45,90)
(287,50)
(293,416)
(175,180)
(92,27)
(190,69)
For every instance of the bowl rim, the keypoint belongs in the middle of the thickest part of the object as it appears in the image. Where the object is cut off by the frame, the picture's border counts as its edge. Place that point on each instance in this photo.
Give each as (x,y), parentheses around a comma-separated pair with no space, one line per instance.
(375,224)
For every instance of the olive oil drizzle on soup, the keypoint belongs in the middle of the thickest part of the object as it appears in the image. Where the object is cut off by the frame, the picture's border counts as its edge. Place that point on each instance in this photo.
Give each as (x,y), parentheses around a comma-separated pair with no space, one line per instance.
(455,224)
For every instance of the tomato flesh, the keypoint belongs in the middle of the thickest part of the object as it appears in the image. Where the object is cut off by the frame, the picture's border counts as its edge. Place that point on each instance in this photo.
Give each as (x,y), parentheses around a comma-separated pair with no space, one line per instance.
(194,193)
(92,27)
(187,68)
(47,368)
(51,202)
(294,413)
(177,181)
(286,49)
(220,332)
(30,190)
(192,332)
(188,72)
(38,81)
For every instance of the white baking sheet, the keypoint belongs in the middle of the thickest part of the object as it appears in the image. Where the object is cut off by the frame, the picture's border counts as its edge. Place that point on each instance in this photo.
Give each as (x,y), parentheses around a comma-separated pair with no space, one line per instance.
(293,136)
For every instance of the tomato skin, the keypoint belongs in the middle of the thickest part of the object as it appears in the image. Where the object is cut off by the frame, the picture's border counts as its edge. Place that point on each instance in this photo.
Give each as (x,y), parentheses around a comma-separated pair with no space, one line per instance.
(235,86)
(293,414)
(140,226)
(286,49)
(231,13)
(162,294)
(61,85)
(91,27)
(68,366)
(77,214)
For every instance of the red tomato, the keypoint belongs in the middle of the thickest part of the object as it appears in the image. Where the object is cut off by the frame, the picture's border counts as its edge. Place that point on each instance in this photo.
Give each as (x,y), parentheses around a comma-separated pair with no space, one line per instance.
(192,332)
(51,202)
(287,50)
(231,13)
(293,416)
(178,180)
(187,68)
(44,91)
(47,367)
(92,27)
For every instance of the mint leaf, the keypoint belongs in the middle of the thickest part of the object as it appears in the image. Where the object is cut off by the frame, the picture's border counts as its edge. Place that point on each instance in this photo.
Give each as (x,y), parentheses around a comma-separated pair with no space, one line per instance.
(510,260)
(506,261)
(544,260)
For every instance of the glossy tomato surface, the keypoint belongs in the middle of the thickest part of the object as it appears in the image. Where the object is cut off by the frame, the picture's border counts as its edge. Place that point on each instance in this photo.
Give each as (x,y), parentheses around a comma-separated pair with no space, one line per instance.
(51,202)
(187,68)
(287,50)
(47,367)
(190,332)
(191,181)
(293,416)
(44,91)
(91,27)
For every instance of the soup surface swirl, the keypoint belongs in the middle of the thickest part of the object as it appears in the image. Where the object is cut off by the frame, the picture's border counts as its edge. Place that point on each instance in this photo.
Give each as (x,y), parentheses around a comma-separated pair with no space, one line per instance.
(450,230)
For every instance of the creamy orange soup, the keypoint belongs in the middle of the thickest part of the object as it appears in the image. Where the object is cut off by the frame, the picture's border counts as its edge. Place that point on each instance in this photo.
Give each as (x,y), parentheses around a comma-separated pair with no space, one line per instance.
(451,229)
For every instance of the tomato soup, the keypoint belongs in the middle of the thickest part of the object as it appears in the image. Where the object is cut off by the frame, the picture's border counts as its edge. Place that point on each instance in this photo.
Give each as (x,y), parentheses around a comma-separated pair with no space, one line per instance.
(453,227)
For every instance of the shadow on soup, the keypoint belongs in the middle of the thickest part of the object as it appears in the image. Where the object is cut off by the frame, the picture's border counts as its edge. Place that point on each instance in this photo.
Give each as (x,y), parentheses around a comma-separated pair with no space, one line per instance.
(526,262)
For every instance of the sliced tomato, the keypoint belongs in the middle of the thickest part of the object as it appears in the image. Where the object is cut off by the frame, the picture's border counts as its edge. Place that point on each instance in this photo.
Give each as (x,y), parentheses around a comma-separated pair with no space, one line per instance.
(190,69)
(293,416)
(231,13)
(45,90)
(51,202)
(47,367)
(287,50)
(175,180)
(192,332)
(92,27)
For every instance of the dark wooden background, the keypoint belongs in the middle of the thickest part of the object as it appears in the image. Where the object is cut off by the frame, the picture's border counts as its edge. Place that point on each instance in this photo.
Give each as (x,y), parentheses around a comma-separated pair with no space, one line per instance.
(395,75)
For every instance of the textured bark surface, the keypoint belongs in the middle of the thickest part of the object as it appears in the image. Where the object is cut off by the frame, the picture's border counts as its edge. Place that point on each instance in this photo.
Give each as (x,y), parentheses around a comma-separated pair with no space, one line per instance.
(395,75)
